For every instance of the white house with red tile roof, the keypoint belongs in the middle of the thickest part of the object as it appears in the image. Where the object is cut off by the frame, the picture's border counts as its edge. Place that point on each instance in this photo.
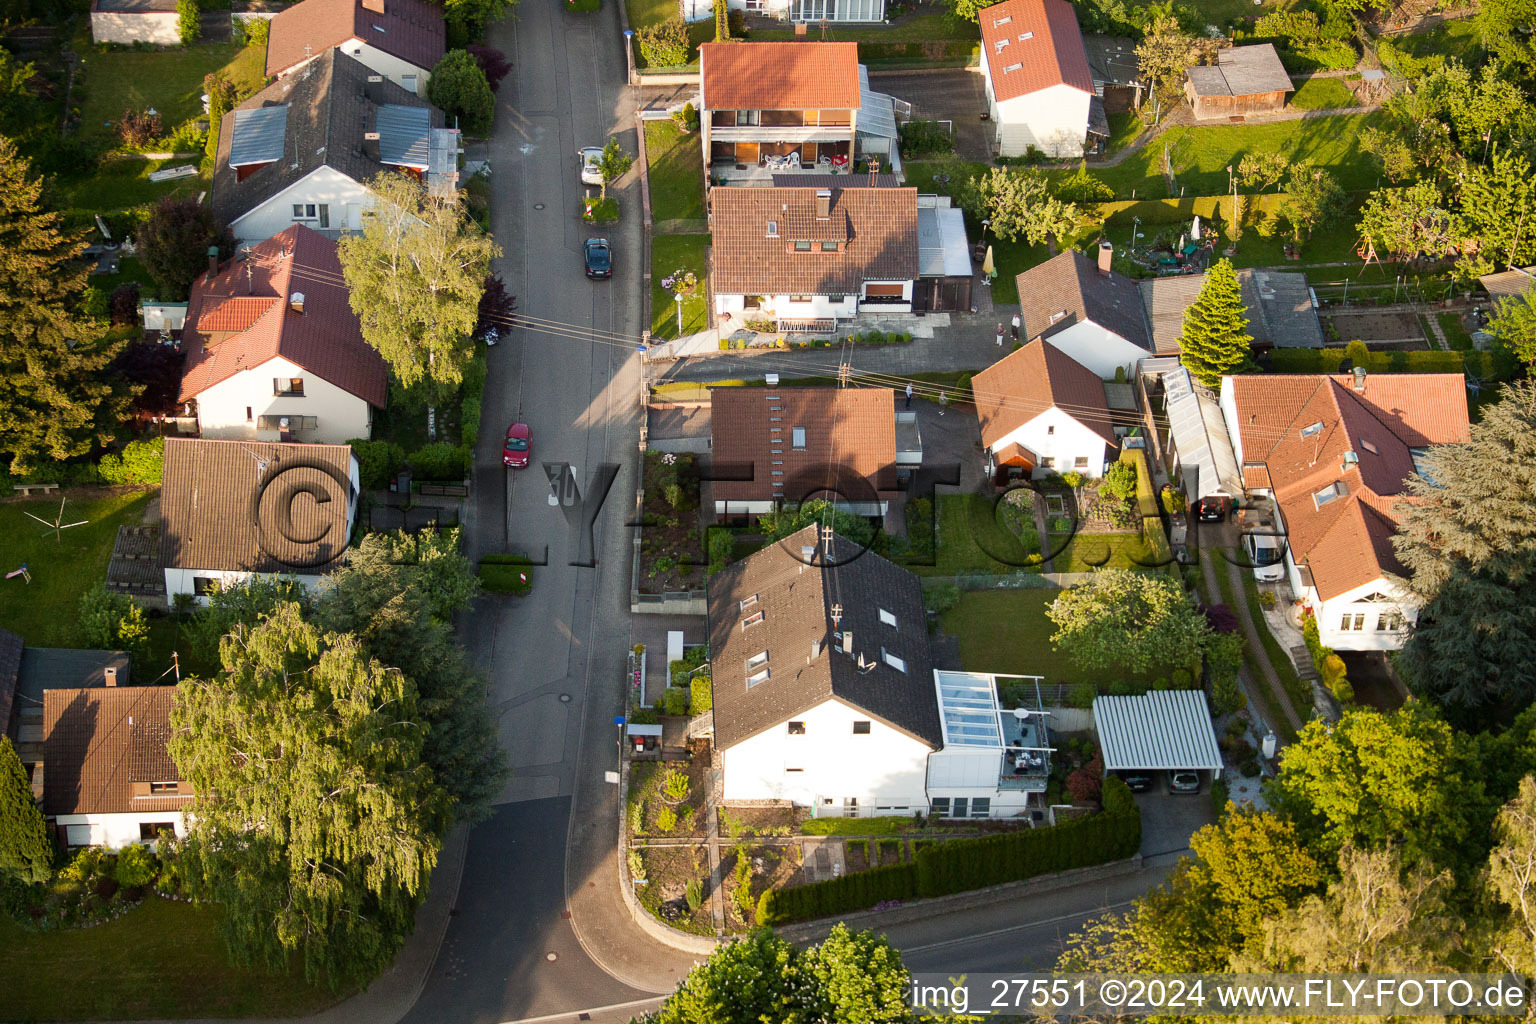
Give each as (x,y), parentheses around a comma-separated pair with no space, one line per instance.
(1333,451)
(1040,412)
(274,350)
(1039,87)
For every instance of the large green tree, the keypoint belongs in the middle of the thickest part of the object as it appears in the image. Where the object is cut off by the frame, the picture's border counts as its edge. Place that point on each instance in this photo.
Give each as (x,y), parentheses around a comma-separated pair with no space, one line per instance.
(1166,49)
(1409,223)
(173,244)
(1136,620)
(1312,196)
(1498,214)
(1468,541)
(415,274)
(112,621)
(1512,881)
(1505,28)
(55,401)
(1215,340)
(305,735)
(460,89)
(25,853)
(1018,203)
(1514,325)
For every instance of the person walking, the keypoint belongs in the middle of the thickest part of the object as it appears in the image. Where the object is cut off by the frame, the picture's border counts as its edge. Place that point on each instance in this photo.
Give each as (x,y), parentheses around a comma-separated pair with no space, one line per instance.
(1016,323)
(943,402)
(1000,335)
(909,396)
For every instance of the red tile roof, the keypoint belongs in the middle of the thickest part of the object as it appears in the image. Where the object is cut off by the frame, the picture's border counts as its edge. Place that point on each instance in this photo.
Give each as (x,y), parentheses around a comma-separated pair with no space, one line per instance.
(779,76)
(1041,47)
(1309,433)
(408,29)
(99,741)
(242,318)
(1033,380)
(854,428)
(754,231)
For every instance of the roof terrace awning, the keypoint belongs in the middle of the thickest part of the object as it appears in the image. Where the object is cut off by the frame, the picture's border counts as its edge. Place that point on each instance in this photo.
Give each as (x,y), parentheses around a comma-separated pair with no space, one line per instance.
(1160,730)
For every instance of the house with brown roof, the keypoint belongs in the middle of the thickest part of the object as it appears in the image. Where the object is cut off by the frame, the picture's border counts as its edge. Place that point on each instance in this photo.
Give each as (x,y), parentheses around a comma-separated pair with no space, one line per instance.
(230,510)
(1040,91)
(778,106)
(400,39)
(1244,80)
(303,150)
(274,351)
(775,445)
(1333,452)
(1091,312)
(807,258)
(1041,412)
(823,686)
(801,12)
(108,779)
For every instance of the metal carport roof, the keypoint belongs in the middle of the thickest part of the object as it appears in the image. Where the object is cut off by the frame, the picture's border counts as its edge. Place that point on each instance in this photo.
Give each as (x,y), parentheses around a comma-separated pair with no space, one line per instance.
(1159,730)
(1200,438)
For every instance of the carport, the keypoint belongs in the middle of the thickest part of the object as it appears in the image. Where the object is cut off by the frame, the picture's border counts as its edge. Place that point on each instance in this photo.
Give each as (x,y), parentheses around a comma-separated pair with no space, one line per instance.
(1164,730)
(1200,443)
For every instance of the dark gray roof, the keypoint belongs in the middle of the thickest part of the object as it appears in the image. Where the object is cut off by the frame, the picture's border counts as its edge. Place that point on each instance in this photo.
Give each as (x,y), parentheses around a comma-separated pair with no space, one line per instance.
(1070,283)
(331,105)
(403,135)
(1509,284)
(10,665)
(257,135)
(1098,120)
(65,668)
(1280,311)
(1111,61)
(1242,71)
(836,181)
(796,601)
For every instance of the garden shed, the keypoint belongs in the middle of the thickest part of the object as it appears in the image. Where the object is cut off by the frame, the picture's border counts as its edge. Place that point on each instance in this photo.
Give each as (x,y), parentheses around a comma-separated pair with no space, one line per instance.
(1163,730)
(135,21)
(1244,80)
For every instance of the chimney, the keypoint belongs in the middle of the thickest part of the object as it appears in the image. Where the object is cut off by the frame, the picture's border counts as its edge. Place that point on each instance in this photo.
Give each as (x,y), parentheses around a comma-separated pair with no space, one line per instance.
(1359,378)
(213,262)
(815,649)
(847,641)
(296,302)
(109,675)
(1106,257)
(374,90)
(823,203)
(371,146)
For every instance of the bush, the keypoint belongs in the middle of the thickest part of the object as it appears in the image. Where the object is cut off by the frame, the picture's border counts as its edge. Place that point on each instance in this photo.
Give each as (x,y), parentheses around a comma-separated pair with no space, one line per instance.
(686,119)
(694,894)
(254,31)
(441,461)
(1226,696)
(139,128)
(674,701)
(142,462)
(1085,784)
(459,88)
(186,21)
(664,45)
(377,461)
(918,137)
(1081,695)
(1119,481)
(674,785)
(720,546)
(135,866)
(700,694)
(666,819)
(123,305)
(493,64)
(1174,500)
(113,622)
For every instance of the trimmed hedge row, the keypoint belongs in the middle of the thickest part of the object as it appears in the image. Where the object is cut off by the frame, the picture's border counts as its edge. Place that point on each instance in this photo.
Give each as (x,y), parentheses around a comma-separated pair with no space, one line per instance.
(1330,360)
(964,864)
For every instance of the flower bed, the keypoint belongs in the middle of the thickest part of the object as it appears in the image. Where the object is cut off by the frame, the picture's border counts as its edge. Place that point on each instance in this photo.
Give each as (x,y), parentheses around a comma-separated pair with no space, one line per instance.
(671,539)
(655,810)
(674,891)
(94,887)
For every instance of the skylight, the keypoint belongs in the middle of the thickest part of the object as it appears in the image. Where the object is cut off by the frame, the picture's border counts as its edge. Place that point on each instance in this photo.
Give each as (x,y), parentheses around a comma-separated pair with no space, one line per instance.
(1012,67)
(1332,492)
(1002,21)
(1026,36)
(1314,428)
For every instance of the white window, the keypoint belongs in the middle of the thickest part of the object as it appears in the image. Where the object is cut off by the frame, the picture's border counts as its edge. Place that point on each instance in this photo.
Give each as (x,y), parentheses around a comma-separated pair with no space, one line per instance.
(748,602)
(887,618)
(746,117)
(409,81)
(1352,622)
(290,386)
(1308,431)
(1389,622)
(757,661)
(829,247)
(981,807)
(1048,463)
(752,620)
(758,677)
(939,807)
(802,247)
(798,437)
(1332,492)
(1081,462)
(893,661)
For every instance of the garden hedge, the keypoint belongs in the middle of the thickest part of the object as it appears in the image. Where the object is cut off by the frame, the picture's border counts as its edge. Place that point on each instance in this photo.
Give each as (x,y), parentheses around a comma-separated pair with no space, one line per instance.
(961,865)
(1330,360)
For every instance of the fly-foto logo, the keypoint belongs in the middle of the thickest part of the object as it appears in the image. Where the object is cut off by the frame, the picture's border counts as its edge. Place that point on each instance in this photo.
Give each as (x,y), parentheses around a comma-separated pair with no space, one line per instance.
(299,509)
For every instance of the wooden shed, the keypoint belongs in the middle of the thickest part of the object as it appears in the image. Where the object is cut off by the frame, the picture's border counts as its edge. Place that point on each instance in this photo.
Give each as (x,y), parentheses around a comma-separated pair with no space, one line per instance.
(1244,80)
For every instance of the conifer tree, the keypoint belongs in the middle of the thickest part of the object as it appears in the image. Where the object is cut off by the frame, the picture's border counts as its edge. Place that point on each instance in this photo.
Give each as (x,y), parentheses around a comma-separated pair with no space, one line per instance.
(55,402)
(1216,339)
(24,850)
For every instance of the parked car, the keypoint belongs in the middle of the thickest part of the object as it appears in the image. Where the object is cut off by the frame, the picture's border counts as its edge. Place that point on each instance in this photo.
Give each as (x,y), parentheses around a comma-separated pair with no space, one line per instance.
(1267,556)
(517,449)
(1137,782)
(591,158)
(1213,509)
(598,258)
(1184,782)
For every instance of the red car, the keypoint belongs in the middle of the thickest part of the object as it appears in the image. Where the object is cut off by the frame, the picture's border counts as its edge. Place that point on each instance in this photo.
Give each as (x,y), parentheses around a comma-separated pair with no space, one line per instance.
(517,449)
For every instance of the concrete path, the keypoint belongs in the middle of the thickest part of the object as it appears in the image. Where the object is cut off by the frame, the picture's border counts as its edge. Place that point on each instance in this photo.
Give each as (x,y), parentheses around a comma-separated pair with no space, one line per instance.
(1211,563)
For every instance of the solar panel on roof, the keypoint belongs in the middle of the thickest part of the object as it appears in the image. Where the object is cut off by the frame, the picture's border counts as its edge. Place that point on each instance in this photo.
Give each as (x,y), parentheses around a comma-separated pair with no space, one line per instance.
(258,135)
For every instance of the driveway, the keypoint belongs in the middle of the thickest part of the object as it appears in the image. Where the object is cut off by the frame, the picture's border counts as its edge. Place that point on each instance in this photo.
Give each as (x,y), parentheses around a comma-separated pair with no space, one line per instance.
(1168,820)
(950,95)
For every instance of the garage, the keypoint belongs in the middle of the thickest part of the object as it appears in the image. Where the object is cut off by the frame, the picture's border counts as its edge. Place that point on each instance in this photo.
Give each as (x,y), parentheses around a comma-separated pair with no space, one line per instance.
(1164,730)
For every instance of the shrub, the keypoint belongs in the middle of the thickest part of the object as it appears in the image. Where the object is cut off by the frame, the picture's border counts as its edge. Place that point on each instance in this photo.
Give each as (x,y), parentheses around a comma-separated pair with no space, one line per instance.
(720,546)
(1174,500)
(377,461)
(493,64)
(743,894)
(1180,678)
(666,819)
(941,597)
(693,892)
(700,694)
(1266,599)
(135,866)
(142,462)
(459,88)
(674,701)
(123,305)
(674,785)
(1085,784)
(113,622)
(1081,695)
(139,128)
(1226,696)
(254,31)
(440,461)
(664,45)
(1119,481)
(686,119)
(918,137)
(186,21)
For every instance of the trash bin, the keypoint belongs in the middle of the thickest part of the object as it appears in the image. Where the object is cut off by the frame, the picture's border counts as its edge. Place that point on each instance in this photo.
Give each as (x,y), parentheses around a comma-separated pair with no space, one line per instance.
(402,481)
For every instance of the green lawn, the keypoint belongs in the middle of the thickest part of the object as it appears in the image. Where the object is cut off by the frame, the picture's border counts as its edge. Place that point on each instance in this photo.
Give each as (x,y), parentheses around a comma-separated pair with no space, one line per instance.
(1323,94)
(1007,631)
(123,182)
(1455,331)
(44,611)
(972,538)
(1454,39)
(1086,552)
(1124,128)
(171,81)
(643,13)
(128,269)
(671,253)
(160,960)
(1277,657)
(676,174)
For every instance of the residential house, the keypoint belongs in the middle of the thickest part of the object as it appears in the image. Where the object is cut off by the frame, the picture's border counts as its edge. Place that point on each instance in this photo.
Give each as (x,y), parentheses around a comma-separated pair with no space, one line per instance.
(835,12)
(303,149)
(995,761)
(1277,303)
(108,779)
(823,688)
(1042,412)
(126,22)
(400,39)
(778,106)
(1333,452)
(1090,312)
(1116,72)
(1040,91)
(1244,80)
(787,444)
(230,510)
(274,351)
(807,258)
(1509,284)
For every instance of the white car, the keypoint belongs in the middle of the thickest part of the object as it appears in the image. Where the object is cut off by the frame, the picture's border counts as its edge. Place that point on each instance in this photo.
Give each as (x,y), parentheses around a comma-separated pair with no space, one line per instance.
(591,158)
(1264,551)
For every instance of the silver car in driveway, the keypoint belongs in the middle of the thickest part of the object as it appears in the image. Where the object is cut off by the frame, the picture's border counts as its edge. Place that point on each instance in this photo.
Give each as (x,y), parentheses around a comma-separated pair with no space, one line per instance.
(591,172)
